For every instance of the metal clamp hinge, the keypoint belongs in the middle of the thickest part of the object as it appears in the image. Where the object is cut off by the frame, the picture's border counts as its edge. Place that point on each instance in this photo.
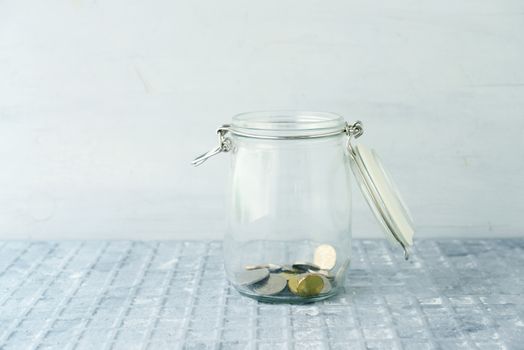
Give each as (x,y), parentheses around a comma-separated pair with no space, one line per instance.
(224,145)
(354,130)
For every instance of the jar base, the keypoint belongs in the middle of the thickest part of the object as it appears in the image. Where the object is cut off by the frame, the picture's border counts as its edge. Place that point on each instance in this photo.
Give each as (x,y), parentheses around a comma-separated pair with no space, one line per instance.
(286,299)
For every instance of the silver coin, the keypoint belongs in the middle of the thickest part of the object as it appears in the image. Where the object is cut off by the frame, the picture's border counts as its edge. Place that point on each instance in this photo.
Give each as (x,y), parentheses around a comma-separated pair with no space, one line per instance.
(290,269)
(325,257)
(274,268)
(270,267)
(255,267)
(271,286)
(249,277)
(305,266)
(327,285)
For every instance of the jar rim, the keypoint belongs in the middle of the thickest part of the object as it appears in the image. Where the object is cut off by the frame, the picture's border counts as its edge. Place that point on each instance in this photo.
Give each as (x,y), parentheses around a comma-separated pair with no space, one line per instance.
(287,123)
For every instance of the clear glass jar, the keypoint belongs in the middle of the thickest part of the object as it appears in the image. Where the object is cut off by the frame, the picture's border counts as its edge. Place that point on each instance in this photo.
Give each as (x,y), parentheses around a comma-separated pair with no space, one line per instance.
(287,196)
(288,236)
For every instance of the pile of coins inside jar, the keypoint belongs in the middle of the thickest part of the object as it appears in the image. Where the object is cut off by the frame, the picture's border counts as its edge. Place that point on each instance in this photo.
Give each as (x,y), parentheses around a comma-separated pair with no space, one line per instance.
(302,278)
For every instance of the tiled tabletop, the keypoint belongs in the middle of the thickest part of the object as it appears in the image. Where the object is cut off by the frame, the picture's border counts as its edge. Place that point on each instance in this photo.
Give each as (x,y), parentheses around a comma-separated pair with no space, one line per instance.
(452,294)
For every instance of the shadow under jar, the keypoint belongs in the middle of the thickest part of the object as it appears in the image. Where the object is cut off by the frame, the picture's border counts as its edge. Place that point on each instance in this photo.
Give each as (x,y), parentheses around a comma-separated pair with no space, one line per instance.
(288,236)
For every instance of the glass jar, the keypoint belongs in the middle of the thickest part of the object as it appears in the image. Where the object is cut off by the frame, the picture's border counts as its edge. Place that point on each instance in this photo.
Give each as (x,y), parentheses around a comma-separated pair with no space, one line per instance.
(288,236)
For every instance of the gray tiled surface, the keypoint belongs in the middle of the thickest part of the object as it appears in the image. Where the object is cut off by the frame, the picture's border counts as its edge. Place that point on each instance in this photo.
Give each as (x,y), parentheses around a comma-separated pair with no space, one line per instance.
(173,295)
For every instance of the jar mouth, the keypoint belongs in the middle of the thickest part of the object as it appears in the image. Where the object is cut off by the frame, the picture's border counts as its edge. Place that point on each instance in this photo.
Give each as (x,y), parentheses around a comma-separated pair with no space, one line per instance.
(287,124)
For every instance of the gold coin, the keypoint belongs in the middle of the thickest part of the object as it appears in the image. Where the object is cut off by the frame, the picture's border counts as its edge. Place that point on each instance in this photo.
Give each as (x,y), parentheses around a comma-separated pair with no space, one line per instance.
(292,283)
(310,285)
(325,257)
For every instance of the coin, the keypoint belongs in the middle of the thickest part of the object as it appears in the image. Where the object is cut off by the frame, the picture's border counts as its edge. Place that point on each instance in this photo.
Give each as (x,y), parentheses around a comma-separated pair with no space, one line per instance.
(271,286)
(290,269)
(292,283)
(303,278)
(310,286)
(325,257)
(327,285)
(274,268)
(249,277)
(305,266)
(270,267)
(287,275)
(254,267)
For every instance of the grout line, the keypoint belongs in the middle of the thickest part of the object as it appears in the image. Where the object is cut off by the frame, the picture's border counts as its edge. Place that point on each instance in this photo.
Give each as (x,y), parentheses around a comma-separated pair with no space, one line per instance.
(84,275)
(65,300)
(445,302)
(3,244)
(483,306)
(41,290)
(221,313)
(419,310)
(166,283)
(365,263)
(290,332)
(77,336)
(17,257)
(255,312)
(385,252)
(416,305)
(10,329)
(191,305)
(124,309)
(23,278)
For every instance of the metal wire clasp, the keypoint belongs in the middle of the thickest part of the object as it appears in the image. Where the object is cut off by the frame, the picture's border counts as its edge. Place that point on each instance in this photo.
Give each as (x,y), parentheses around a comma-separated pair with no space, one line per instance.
(354,130)
(224,145)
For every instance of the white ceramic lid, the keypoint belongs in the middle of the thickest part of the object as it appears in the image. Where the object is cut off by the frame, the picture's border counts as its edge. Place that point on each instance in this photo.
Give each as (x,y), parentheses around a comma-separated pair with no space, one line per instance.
(382,196)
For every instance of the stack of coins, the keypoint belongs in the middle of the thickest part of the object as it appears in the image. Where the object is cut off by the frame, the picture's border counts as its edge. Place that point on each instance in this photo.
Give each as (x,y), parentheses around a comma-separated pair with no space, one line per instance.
(302,278)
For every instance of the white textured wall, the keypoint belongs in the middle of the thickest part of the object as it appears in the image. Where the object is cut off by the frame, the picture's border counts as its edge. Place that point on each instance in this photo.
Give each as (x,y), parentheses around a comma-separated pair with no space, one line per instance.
(103,104)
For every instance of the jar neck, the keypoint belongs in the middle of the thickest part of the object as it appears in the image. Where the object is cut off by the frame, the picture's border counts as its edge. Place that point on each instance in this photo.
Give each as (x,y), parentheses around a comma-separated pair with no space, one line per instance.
(287,125)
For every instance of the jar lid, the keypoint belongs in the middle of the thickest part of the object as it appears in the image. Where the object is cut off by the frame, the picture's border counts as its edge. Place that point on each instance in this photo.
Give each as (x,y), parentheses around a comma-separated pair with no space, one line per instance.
(382,196)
